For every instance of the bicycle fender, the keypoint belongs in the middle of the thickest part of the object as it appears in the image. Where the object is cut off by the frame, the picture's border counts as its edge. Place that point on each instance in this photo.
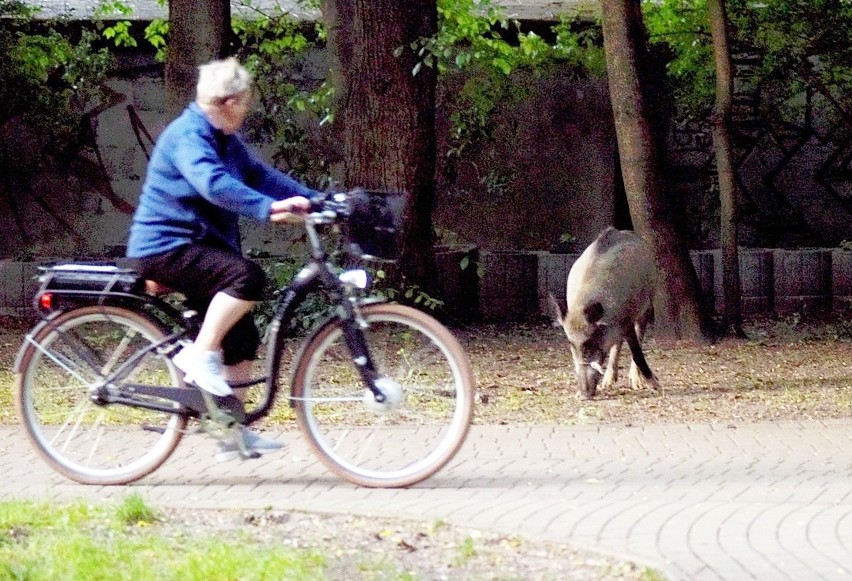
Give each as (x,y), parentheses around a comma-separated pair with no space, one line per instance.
(375,300)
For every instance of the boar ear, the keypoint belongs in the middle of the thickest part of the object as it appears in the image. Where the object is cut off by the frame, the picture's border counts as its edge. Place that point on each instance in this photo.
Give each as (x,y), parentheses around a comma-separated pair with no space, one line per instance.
(559,309)
(593,312)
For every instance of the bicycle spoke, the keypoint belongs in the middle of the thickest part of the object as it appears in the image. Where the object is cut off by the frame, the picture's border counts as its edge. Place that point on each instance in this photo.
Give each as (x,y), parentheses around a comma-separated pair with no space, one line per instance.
(416,429)
(76,416)
(96,443)
(89,349)
(61,360)
(120,350)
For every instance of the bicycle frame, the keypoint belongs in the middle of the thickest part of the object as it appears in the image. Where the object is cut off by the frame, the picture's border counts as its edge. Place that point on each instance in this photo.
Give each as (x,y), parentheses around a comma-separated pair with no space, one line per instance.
(316,275)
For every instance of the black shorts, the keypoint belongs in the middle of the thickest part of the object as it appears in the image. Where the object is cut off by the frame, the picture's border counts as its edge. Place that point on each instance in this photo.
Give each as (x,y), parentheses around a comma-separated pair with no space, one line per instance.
(199,271)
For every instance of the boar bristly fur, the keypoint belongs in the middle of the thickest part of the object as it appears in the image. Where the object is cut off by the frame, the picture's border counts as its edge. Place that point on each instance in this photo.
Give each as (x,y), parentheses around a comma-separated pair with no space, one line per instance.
(609,297)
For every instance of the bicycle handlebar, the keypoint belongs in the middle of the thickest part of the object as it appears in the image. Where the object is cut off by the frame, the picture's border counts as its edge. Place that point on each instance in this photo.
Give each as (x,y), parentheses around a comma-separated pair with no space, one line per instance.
(333,207)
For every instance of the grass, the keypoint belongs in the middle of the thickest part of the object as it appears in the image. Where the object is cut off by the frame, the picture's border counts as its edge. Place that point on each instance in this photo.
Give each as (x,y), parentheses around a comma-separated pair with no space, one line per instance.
(134,511)
(78,541)
(132,541)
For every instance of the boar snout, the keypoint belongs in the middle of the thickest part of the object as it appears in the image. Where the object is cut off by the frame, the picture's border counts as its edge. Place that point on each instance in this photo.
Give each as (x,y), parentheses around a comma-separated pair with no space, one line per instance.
(588,377)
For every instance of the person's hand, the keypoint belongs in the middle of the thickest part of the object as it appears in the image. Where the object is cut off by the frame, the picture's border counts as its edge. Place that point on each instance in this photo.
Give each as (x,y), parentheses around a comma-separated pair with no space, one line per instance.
(291,210)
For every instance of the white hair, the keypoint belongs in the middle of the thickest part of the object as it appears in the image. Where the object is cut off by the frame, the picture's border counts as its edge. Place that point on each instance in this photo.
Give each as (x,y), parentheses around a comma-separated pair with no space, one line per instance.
(218,80)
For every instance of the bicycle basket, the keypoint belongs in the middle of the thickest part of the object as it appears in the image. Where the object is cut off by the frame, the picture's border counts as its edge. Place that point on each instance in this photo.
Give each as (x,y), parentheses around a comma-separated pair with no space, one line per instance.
(373,227)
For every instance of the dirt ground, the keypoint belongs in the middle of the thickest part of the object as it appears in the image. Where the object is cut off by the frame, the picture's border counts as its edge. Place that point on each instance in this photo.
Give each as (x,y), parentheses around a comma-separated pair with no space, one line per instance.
(785,370)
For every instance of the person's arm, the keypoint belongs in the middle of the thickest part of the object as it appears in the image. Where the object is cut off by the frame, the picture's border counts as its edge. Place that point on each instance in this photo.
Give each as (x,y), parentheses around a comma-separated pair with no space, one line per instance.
(196,158)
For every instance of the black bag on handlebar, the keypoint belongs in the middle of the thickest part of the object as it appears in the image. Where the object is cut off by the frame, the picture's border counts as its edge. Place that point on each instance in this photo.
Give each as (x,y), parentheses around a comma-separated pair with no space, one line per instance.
(374,224)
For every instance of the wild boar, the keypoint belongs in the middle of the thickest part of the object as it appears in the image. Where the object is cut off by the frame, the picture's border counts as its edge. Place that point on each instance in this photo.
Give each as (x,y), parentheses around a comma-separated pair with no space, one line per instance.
(609,298)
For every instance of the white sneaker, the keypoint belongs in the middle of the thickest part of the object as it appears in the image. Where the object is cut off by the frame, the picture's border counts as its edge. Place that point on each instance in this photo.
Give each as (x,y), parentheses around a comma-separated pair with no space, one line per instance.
(204,369)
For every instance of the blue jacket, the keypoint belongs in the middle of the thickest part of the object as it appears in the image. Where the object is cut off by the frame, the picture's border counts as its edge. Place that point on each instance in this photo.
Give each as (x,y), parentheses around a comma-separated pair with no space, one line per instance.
(199,182)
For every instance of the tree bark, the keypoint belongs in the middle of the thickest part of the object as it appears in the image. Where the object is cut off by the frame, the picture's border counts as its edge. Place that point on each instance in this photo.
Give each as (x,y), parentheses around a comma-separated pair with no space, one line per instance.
(677,311)
(386,114)
(199,31)
(731,289)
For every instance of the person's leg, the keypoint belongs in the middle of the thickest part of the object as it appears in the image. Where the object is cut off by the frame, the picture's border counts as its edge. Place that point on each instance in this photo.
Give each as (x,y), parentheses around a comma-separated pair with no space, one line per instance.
(223,286)
(222,314)
(239,351)
(239,373)
(239,348)
(203,361)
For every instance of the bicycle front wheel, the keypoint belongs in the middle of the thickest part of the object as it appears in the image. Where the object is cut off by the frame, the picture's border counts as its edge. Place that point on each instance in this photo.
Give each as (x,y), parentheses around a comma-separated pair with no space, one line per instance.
(62,368)
(428,379)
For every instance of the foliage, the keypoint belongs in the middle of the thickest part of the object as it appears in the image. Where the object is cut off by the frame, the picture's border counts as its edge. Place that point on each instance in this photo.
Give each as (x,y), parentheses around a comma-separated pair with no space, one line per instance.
(566,243)
(48,78)
(476,38)
(274,45)
(683,28)
(134,511)
(280,271)
(408,293)
(802,46)
(119,31)
(476,33)
(156,33)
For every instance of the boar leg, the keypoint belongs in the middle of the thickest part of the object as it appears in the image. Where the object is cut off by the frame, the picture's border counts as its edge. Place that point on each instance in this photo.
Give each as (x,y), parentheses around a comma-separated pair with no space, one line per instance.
(611,373)
(640,372)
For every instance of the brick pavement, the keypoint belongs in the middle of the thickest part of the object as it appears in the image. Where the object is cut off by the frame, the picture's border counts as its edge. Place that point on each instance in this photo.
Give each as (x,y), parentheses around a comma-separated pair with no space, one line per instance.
(699,502)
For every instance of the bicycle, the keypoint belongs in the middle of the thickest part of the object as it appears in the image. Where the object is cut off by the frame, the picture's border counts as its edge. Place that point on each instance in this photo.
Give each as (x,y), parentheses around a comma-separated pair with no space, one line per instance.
(382,392)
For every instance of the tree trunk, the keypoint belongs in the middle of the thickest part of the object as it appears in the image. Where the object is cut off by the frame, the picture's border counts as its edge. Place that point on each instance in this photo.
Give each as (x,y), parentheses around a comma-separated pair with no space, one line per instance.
(199,31)
(386,114)
(731,290)
(677,311)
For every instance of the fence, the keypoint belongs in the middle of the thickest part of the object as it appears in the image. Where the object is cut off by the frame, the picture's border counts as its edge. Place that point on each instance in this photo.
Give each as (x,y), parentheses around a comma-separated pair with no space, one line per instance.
(513,286)
(774,282)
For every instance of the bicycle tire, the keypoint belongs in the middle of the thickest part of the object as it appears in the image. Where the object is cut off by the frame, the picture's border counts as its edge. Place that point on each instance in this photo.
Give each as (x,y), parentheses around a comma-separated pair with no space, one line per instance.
(401,444)
(61,365)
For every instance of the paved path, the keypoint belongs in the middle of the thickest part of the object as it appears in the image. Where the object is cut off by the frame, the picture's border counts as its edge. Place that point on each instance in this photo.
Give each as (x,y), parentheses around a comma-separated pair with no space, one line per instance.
(699,502)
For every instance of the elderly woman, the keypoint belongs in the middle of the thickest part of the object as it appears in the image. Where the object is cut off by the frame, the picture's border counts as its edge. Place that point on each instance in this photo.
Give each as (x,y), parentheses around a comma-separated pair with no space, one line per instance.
(185,233)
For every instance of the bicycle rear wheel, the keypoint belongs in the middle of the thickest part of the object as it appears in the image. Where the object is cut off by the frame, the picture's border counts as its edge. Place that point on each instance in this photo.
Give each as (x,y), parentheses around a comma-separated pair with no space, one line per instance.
(430,406)
(64,363)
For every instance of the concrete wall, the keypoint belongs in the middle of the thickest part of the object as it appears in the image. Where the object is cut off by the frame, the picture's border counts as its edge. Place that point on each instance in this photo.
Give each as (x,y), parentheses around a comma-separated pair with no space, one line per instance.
(775,282)
(550,163)
(515,285)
